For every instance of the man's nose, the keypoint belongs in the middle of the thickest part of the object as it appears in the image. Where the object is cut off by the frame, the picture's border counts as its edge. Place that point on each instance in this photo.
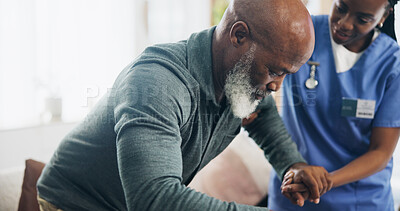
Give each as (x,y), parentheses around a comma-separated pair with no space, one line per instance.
(275,85)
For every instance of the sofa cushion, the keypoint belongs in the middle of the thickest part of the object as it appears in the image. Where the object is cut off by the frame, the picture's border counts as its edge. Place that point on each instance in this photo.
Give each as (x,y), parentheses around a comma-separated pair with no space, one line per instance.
(28,200)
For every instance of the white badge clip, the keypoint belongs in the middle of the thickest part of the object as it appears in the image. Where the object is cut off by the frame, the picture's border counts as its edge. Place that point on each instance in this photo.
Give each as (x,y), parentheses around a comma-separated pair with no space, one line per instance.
(311,82)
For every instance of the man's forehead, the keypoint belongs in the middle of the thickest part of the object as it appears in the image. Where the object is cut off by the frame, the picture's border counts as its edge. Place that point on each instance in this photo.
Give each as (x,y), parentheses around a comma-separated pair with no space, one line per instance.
(285,67)
(282,61)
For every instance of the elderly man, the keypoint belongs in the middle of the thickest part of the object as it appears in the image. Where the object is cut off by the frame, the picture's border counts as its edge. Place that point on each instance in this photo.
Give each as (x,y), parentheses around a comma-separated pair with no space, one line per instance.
(177,107)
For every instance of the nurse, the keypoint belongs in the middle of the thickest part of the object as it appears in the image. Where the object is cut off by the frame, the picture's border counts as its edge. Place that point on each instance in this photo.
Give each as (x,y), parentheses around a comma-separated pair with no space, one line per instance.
(343,109)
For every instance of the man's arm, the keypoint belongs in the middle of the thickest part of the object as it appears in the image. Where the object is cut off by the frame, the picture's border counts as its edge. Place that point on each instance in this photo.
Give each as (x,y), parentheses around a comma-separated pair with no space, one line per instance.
(268,130)
(149,110)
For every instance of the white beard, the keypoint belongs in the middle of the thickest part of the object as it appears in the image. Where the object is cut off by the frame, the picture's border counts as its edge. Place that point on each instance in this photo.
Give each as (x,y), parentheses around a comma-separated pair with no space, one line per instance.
(238,88)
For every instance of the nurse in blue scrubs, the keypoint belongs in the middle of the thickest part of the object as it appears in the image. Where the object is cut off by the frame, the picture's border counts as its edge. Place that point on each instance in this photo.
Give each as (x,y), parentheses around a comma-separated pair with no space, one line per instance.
(343,109)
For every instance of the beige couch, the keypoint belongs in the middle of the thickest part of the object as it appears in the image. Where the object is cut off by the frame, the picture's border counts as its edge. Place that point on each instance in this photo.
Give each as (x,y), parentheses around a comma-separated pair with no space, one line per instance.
(18,187)
(10,188)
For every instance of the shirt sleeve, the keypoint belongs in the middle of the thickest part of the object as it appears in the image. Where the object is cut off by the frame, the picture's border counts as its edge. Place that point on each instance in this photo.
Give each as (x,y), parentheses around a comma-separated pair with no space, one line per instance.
(270,133)
(149,108)
(388,112)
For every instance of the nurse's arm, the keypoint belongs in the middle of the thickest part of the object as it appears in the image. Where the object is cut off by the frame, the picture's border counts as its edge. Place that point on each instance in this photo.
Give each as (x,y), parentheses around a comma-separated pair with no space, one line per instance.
(382,144)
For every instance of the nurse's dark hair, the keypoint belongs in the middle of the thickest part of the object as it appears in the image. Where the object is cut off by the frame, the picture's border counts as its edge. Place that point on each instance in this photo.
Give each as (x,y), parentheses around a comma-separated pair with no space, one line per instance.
(388,25)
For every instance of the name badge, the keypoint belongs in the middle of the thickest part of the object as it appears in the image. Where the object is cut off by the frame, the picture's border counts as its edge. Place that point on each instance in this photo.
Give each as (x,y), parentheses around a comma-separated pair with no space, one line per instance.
(358,108)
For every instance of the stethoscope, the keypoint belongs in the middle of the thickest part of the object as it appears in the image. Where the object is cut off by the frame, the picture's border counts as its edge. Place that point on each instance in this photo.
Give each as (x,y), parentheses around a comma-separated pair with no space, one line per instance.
(311,82)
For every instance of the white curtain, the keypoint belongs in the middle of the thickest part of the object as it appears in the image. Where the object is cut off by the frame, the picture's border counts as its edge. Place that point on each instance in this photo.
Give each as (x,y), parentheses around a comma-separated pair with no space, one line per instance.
(174,20)
(73,49)
(60,49)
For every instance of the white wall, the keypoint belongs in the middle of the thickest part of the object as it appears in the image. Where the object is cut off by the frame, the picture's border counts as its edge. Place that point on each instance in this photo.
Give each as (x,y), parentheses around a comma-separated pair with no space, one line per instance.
(37,143)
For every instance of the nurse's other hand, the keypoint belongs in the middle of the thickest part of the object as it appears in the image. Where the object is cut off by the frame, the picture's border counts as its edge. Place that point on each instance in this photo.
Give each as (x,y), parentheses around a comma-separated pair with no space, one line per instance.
(315,178)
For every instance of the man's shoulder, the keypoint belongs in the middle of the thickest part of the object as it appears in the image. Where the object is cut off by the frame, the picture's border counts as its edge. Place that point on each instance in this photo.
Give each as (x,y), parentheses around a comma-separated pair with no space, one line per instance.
(160,70)
(165,60)
(173,53)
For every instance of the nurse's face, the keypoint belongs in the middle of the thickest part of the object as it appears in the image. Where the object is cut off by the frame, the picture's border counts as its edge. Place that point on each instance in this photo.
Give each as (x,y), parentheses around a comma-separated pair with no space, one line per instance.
(353,21)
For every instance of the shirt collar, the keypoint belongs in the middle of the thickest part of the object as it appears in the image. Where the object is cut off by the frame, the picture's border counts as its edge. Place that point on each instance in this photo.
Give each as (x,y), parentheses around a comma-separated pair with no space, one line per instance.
(199,51)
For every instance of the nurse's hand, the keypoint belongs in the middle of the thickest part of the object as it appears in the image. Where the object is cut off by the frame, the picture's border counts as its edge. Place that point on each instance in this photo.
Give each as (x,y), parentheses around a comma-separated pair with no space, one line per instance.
(315,178)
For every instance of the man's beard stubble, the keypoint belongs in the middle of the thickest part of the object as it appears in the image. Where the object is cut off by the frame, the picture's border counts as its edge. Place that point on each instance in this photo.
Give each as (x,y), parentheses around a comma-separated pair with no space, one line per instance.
(238,89)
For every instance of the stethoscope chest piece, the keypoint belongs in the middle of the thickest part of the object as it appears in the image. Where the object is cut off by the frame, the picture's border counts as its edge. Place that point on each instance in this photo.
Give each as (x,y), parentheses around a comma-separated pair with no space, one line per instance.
(311,82)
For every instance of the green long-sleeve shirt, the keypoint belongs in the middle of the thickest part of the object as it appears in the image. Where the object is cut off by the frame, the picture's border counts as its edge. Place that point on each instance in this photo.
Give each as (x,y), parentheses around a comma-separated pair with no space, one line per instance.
(147,138)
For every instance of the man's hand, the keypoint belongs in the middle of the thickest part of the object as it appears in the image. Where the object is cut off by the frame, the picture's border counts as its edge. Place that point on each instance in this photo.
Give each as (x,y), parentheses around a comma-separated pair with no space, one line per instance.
(250,118)
(296,193)
(302,182)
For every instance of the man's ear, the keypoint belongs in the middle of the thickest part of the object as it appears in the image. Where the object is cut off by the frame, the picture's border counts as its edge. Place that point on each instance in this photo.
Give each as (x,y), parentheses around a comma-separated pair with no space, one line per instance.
(239,33)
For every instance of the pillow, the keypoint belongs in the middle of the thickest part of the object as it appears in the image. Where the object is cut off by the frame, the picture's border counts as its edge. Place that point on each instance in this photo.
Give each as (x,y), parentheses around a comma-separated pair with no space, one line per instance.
(28,200)
(240,173)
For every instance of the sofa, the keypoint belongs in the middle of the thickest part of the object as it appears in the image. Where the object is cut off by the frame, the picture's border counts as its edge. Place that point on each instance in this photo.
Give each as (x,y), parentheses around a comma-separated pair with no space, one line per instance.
(18,187)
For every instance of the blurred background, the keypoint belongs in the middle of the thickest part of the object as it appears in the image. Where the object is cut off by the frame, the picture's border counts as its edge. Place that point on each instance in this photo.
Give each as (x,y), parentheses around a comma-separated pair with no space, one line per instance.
(58,58)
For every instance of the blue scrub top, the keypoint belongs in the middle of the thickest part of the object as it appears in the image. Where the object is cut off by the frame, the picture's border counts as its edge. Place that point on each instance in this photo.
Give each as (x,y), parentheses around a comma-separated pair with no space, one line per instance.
(325,137)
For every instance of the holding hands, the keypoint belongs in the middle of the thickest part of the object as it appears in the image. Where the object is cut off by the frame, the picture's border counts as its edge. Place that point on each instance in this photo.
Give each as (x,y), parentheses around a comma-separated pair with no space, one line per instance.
(305,182)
